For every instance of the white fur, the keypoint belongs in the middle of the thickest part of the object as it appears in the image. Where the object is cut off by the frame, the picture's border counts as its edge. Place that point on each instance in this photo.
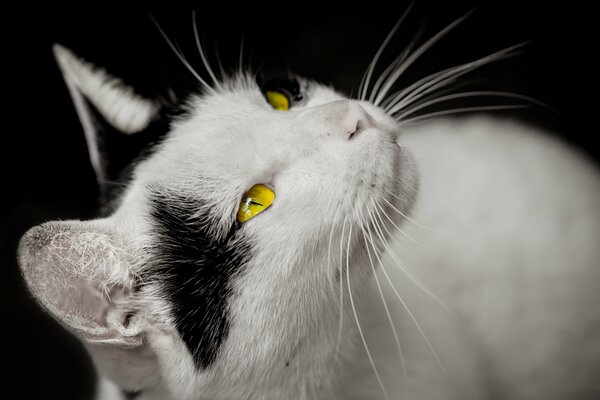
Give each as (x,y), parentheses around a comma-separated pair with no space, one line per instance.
(107,390)
(513,221)
(304,154)
(124,109)
(117,102)
(512,250)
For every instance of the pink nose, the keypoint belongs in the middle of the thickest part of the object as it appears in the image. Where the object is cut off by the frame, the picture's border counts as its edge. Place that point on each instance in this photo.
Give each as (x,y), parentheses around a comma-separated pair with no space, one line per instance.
(344,118)
(355,121)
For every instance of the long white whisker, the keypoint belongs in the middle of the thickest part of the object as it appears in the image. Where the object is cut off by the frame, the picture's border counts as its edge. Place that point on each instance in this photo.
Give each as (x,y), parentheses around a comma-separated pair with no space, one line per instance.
(180,56)
(341,244)
(445,77)
(406,216)
(201,51)
(408,311)
(361,87)
(388,70)
(414,320)
(402,232)
(460,111)
(369,72)
(241,60)
(341,287)
(360,331)
(414,56)
(333,225)
(219,63)
(385,306)
(394,64)
(447,86)
(480,93)
(416,281)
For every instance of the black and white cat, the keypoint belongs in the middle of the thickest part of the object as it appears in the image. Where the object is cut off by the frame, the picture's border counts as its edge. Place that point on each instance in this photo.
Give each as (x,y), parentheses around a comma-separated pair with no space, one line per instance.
(279,240)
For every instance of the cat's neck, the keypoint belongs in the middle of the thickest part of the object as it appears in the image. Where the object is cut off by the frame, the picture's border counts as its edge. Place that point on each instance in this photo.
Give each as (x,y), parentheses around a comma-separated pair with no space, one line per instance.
(312,370)
(308,364)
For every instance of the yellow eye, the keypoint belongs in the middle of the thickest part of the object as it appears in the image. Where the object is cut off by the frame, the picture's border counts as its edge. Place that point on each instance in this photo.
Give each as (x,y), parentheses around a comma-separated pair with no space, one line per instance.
(278,100)
(255,201)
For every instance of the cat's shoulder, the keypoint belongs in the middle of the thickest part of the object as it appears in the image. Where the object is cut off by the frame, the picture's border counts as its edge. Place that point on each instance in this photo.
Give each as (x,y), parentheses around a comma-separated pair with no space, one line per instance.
(492,135)
(494,156)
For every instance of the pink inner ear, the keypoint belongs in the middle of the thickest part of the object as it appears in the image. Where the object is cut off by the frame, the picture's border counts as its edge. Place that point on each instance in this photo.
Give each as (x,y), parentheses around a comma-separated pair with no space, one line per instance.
(79,272)
(81,298)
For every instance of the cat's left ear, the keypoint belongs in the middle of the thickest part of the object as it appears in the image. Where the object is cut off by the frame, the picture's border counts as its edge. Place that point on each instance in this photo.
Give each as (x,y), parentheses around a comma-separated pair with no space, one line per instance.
(117,121)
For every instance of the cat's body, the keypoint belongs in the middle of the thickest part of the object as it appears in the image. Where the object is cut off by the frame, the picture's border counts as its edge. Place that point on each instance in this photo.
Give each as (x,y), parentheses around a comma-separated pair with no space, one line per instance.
(511,223)
(176,297)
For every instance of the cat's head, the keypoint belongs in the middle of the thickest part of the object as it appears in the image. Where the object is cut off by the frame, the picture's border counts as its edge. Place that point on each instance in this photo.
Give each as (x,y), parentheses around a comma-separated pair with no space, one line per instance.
(178,291)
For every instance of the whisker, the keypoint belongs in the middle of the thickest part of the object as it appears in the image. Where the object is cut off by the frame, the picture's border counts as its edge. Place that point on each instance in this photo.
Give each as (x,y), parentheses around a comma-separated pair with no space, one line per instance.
(241,59)
(394,64)
(416,281)
(341,287)
(419,328)
(180,56)
(361,86)
(404,215)
(333,225)
(414,320)
(201,51)
(364,88)
(414,56)
(360,331)
(443,78)
(462,95)
(385,306)
(402,232)
(219,63)
(461,111)
(448,86)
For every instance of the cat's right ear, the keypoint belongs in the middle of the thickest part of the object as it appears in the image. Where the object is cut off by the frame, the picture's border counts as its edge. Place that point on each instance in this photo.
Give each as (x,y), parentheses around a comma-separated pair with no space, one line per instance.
(117,122)
(80,271)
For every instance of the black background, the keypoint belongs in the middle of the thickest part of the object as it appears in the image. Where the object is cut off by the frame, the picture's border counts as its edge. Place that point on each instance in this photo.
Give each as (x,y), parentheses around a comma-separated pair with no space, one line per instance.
(45,171)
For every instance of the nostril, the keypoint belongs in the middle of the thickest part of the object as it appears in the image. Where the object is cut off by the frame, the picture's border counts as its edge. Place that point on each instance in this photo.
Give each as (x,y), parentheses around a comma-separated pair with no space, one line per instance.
(360,126)
(361,121)
(342,119)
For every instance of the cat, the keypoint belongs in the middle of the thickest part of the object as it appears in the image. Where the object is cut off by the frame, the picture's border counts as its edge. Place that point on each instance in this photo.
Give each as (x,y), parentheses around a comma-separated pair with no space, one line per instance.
(245,253)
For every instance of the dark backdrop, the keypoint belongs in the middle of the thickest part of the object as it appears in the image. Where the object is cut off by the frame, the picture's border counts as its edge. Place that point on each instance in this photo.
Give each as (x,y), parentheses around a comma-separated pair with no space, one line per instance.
(45,171)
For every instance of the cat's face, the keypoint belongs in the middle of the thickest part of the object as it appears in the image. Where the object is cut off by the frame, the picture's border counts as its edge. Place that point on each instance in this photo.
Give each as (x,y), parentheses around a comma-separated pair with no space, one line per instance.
(173,293)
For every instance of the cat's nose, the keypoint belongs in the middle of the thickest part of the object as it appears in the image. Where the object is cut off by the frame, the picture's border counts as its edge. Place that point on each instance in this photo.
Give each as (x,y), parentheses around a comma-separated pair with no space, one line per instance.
(345,118)
(354,119)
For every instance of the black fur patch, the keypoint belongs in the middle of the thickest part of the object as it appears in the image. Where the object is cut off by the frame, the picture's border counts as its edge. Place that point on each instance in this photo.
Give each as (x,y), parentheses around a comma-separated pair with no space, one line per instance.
(120,152)
(195,271)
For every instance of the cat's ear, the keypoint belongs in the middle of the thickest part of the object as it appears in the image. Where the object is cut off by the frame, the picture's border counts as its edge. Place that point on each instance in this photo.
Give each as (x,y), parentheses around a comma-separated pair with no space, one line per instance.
(116,121)
(80,272)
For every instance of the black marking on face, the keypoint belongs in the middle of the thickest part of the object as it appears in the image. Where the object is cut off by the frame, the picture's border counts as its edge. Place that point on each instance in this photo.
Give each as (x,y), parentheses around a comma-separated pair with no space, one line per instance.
(121,152)
(196,272)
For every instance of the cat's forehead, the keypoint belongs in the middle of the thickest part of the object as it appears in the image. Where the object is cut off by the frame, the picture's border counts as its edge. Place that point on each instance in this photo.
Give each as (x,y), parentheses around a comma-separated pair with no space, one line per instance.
(245,92)
(231,139)
(233,131)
